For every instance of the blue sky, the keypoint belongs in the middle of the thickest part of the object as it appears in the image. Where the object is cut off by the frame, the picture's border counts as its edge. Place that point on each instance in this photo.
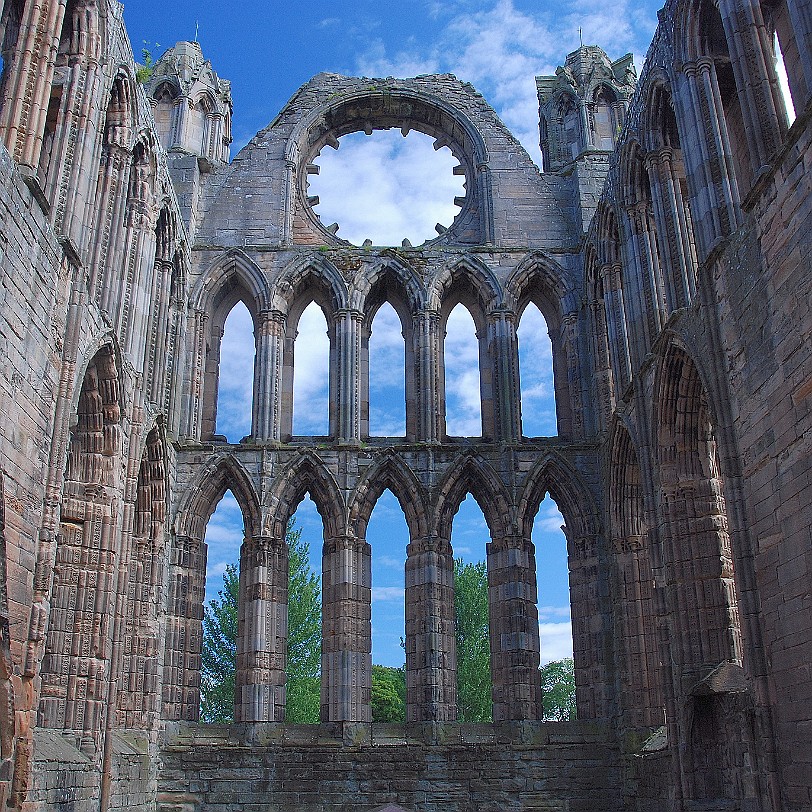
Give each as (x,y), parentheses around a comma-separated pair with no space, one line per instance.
(268,50)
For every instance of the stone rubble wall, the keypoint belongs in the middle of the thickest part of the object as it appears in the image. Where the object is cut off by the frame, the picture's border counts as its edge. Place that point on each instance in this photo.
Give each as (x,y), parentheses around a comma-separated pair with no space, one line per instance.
(550,767)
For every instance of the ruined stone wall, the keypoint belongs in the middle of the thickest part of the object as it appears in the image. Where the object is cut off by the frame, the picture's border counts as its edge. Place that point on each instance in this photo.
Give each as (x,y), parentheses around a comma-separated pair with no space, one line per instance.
(557,767)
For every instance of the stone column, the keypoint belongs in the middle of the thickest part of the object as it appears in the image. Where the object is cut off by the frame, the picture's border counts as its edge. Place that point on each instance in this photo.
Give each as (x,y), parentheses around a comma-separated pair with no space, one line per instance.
(590,625)
(603,368)
(158,332)
(184,630)
(346,648)
(263,631)
(504,352)
(348,326)
(431,655)
(514,630)
(570,334)
(430,397)
(669,217)
(270,345)
(181,108)
(612,278)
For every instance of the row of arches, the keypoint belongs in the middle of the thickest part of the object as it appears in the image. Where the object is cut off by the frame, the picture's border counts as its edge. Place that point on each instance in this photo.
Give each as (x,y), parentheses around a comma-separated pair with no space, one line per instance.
(429,600)
(277,311)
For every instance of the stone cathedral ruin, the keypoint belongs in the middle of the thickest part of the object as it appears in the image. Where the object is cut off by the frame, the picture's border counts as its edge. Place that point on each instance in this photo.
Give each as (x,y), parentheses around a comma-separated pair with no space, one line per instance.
(667,244)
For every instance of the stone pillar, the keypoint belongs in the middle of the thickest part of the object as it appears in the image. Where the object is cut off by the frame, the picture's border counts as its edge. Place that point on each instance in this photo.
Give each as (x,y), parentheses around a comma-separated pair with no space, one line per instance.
(195,379)
(645,258)
(431,655)
(346,648)
(270,345)
(514,630)
(603,369)
(263,631)
(504,353)
(430,396)
(27,87)
(182,104)
(348,326)
(570,335)
(590,632)
(612,279)
(710,161)
(184,630)
(158,332)
(670,219)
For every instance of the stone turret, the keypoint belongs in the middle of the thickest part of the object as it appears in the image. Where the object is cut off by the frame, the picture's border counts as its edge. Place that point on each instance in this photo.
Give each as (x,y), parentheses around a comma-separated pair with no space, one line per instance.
(581,113)
(582,107)
(192,108)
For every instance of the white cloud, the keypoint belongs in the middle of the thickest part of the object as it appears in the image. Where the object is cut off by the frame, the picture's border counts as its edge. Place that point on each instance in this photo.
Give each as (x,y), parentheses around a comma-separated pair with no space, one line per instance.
(556,641)
(236,383)
(311,364)
(463,407)
(385,594)
(549,518)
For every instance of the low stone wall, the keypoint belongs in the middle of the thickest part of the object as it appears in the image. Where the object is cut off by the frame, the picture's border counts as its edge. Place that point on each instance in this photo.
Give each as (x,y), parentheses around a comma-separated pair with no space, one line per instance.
(511,767)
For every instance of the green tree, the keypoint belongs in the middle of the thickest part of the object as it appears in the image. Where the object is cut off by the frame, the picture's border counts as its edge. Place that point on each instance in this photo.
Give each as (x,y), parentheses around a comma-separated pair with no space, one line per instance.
(388,694)
(558,690)
(304,633)
(304,641)
(474,683)
(219,654)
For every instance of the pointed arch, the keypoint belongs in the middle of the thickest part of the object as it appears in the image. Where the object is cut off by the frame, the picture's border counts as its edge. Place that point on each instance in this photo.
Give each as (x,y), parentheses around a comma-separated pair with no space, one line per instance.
(472,474)
(231,276)
(634,562)
(389,471)
(393,270)
(311,278)
(306,473)
(553,475)
(469,281)
(222,473)
(552,289)
(391,280)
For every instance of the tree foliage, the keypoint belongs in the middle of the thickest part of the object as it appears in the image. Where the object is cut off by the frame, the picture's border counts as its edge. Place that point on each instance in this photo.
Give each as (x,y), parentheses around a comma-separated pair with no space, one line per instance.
(558,690)
(304,641)
(219,654)
(474,683)
(388,694)
(304,633)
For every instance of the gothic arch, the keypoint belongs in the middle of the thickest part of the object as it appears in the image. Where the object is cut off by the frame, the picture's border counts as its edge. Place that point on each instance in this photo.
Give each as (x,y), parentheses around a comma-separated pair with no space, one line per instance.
(231,276)
(553,475)
(469,281)
(403,277)
(222,473)
(389,471)
(306,473)
(553,290)
(635,560)
(471,474)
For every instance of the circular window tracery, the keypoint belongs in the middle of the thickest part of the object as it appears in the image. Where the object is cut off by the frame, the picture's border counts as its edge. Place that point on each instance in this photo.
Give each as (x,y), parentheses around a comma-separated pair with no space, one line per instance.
(384,111)
(387,189)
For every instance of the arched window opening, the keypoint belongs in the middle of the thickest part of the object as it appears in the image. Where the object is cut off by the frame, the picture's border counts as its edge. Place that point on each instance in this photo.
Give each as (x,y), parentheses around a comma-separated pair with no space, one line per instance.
(554,613)
(387,388)
(469,540)
(714,45)
(783,78)
(388,536)
(641,692)
(303,661)
(605,120)
(223,538)
(571,127)
(236,375)
(536,375)
(164,113)
(311,374)
(76,665)
(461,354)
(139,681)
